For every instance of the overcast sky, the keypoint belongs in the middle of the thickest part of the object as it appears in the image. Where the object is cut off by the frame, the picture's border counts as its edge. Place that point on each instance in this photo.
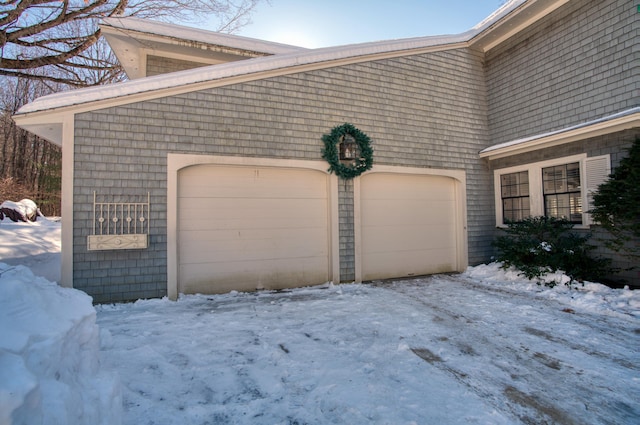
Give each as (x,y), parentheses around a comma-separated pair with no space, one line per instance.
(322,23)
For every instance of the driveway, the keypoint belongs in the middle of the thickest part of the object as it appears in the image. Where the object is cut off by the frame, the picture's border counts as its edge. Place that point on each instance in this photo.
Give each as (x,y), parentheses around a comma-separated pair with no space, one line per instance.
(434,350)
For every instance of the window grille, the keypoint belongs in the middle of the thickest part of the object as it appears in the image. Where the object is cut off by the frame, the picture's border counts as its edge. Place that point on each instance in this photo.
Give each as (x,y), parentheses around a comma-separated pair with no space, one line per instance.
(515,196)
(562,192)
(119,225)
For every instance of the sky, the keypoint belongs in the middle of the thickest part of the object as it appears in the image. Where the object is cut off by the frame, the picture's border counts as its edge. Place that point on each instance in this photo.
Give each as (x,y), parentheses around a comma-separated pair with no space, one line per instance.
(327,23)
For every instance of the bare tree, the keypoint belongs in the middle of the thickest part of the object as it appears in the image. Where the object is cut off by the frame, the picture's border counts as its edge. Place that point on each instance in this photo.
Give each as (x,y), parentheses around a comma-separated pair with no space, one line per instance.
(30,167)
(58,40)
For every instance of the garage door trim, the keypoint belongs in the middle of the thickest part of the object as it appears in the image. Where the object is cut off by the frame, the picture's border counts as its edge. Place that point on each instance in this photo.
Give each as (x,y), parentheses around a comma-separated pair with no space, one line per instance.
(176,162)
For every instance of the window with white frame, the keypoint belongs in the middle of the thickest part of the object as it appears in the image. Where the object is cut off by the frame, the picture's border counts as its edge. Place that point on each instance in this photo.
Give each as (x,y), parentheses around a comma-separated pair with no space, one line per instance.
(515,195)
(561,191)
(560,188)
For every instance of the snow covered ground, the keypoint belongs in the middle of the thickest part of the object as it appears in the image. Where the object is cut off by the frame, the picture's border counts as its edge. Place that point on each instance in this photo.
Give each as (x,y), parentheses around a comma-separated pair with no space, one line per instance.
(484,347)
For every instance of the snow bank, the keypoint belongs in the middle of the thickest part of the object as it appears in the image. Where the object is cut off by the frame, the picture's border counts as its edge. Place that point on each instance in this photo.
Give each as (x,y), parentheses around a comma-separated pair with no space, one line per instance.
(49,355)
(590,297)
(35,245)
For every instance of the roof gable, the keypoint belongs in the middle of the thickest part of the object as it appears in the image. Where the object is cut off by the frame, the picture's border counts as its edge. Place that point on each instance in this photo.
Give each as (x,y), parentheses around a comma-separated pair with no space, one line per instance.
(132,39)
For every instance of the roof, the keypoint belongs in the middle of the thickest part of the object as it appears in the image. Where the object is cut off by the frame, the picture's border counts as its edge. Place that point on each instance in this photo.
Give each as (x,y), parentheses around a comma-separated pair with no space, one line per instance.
(619,121)
(511,17)
(131,39)
(236,69)
(181,33)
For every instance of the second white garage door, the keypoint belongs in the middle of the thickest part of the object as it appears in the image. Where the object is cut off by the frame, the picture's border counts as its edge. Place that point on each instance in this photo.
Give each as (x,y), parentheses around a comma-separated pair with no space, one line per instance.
(246,228)
(408,225)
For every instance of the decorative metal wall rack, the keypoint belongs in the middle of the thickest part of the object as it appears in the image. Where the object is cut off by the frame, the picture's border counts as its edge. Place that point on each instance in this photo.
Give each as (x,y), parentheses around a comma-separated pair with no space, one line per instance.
(119,225)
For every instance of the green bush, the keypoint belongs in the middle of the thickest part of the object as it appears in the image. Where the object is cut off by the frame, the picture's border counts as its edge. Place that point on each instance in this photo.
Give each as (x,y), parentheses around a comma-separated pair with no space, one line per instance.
(540,245)
(617,206)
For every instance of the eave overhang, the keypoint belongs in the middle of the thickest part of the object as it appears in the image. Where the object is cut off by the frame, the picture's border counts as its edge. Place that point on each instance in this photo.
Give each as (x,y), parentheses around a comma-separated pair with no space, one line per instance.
(614,123)
(132,39)
(504,24)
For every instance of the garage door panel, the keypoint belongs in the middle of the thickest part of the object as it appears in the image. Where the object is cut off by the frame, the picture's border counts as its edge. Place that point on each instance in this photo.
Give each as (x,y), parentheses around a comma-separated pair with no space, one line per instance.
(404,238)
(411,212)
(225,213)
(232,182)
(408,225)
(383,265)
(248,227)
(268,244)
(399,187)
(202,224)
(263,274)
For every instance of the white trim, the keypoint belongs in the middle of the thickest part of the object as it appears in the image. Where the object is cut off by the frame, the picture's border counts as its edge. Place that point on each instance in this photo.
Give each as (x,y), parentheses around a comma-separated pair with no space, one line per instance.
(609,124)
(66,242)
(536,200)
(172,34)
(176,162)
(531,12)
(459,176)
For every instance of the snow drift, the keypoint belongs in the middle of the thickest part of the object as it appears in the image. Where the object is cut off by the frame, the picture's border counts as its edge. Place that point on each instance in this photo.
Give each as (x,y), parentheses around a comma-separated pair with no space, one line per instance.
(49,355)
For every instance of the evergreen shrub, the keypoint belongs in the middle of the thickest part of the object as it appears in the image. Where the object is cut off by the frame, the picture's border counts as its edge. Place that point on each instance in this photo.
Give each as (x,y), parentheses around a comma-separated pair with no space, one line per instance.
(540,245)
(617,206)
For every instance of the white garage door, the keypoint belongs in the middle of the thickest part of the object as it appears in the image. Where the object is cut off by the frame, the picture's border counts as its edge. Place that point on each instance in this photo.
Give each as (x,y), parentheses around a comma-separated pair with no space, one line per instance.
(408,225)
(246,228)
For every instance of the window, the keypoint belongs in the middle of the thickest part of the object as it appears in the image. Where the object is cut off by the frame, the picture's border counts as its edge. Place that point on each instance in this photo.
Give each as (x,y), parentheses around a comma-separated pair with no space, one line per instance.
(555,188)
(561,188)
(515,196)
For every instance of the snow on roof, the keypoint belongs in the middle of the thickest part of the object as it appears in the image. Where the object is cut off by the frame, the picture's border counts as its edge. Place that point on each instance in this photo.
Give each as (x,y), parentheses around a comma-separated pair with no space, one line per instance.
(232,69)
(502,11)
(180,32)
(255,65)
(524,140)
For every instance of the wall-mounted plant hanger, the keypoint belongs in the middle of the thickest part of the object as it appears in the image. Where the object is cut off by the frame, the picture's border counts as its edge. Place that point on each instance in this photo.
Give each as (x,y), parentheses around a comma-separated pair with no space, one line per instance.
(119,225)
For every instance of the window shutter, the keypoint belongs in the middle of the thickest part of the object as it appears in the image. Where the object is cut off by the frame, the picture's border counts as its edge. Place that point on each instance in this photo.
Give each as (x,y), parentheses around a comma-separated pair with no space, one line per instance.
(597,170)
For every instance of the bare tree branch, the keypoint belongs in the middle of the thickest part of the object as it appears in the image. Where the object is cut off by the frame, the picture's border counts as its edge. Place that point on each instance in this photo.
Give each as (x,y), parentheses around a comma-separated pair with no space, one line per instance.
(58,37)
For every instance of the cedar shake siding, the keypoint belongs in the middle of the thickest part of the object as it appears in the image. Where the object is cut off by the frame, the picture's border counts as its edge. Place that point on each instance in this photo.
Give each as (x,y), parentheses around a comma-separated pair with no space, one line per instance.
(420,111)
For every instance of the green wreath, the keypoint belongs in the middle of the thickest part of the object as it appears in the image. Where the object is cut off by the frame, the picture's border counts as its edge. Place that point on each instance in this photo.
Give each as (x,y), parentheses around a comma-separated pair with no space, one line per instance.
(331,152)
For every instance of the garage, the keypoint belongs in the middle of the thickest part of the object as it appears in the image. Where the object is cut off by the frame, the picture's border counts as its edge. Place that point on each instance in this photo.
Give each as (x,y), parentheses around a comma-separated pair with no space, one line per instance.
(410,225)
(242,227)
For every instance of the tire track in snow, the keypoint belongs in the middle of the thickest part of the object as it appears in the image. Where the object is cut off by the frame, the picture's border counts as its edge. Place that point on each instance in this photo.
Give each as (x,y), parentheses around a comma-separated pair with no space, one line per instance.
(534,374)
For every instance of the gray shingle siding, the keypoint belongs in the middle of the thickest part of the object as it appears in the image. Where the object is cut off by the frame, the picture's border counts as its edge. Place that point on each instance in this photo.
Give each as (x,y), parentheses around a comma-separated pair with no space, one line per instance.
(346,230)
(580,63)
(420,111)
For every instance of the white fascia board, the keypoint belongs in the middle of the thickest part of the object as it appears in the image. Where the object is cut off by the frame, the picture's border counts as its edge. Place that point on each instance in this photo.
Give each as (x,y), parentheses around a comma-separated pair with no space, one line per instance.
(609,124)
(510,19)
(165,31)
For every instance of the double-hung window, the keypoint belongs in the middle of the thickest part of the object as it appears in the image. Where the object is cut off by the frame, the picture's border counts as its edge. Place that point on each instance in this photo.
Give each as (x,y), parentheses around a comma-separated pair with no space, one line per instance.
(515,195)
(562,192)
(560,188)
